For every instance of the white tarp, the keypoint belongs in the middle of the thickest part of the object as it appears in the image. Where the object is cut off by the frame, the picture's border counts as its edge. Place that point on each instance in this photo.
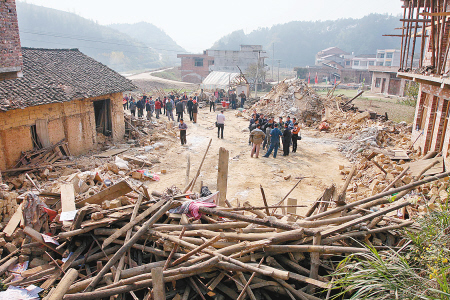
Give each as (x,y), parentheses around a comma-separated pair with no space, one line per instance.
(218,80)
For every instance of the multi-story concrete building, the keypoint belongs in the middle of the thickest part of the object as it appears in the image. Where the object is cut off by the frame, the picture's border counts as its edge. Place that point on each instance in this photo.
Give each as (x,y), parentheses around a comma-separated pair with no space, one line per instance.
(232,61)
(196,67)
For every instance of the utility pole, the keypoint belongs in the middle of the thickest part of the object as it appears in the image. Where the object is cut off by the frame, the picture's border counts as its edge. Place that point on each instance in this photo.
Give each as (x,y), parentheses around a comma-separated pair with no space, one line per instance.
(273,56)
(257,70)
(279,61)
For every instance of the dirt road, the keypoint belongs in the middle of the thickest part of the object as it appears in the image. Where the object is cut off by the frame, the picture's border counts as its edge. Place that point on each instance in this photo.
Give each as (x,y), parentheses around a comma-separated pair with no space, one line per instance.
(317,159)
(147,77)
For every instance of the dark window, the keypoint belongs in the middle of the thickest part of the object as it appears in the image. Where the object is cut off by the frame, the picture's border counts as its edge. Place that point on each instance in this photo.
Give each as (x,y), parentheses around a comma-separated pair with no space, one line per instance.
(356,63)
(347,63)
(388,55)
(388,64)
(381,55)
(371,63)
(378,82)
(198,62)
(380,63)
(210,62)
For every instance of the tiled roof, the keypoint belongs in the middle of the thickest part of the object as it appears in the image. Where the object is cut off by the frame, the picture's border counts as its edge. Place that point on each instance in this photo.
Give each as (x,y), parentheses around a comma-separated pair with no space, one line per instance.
(59,75)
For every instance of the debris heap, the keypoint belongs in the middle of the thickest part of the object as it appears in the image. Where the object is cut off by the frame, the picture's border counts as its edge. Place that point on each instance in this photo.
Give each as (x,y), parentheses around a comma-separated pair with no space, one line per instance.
(295,99)
(176,244)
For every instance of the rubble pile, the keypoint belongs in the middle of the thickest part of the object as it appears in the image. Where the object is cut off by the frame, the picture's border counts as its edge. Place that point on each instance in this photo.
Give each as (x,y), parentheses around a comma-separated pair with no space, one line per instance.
(294,99)
(125,239)
(100,232)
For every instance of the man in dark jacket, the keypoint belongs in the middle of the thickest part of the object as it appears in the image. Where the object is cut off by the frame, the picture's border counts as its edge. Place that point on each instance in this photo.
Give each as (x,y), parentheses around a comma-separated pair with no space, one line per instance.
(179,110)
(233,100)
(190,104)
(287,136)
(243,98)
(140,106)
(194,111)
(275,134)
(133,107)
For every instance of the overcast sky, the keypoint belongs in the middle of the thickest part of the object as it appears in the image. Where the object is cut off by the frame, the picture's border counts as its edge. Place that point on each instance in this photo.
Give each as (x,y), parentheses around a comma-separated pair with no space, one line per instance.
(197,24)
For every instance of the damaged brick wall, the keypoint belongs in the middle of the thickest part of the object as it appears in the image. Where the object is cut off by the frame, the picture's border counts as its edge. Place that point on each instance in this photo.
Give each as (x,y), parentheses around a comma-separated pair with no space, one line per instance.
(435,134)
(10,50)
(74,120)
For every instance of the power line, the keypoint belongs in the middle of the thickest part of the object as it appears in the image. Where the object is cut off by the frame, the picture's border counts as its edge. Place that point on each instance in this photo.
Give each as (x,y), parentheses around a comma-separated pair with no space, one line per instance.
(97,41)
(71,45)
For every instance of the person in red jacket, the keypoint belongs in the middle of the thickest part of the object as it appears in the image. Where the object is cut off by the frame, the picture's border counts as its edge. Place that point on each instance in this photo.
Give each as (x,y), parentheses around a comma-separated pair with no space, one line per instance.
(158,105)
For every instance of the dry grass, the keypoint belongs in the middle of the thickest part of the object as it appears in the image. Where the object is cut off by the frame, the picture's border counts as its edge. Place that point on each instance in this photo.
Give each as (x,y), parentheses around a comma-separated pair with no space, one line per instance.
(374,102)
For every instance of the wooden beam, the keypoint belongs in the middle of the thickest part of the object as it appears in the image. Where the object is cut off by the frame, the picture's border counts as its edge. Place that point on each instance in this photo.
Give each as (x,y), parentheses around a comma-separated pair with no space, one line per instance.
(222,176)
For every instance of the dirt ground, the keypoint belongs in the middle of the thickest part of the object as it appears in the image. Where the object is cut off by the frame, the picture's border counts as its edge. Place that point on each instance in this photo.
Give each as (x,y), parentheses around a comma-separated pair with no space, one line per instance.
(317,160)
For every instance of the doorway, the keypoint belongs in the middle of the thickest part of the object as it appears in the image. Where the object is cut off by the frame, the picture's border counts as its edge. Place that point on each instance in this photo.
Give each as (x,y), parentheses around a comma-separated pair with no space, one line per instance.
(102,111)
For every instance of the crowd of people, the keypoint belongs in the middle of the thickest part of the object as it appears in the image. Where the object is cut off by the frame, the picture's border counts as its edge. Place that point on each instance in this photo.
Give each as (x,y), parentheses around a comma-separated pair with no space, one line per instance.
(265,131)
(268,132)
(165,106)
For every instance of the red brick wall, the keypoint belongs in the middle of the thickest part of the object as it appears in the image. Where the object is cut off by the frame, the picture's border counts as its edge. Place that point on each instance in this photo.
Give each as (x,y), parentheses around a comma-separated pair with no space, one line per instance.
(434,127)
(190,72)
(10,51)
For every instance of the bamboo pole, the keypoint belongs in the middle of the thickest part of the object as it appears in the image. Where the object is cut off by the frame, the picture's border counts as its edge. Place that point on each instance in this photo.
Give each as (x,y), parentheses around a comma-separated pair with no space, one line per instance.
(132,222)
(127,245)
(378,196)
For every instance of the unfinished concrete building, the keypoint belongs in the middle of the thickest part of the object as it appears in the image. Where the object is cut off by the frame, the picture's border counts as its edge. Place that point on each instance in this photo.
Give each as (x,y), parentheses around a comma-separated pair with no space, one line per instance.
(425,35)
(62,94)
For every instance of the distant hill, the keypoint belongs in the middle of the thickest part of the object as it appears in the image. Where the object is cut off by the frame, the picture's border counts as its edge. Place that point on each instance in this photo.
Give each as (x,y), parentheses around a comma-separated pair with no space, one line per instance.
(42,27)
(153,37)
(297,42)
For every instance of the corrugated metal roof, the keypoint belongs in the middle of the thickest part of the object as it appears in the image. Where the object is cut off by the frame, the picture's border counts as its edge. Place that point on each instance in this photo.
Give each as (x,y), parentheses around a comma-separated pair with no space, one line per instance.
(218,80)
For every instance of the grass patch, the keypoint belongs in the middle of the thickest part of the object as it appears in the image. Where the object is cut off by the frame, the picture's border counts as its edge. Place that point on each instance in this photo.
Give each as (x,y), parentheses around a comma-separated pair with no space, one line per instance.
(171,74)
(421,271)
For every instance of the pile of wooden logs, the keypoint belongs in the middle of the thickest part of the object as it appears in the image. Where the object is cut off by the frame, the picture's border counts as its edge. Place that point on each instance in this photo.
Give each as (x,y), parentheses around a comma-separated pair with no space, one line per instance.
(41,158)
(144,251)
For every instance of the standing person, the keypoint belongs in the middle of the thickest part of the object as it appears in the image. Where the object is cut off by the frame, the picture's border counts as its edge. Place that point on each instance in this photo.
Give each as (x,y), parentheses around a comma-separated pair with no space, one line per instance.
(274,141)
(140,106)
(256,137)
(194,110)
(169,109)
(267,128)
(125,102)
(289,122)
(243,98)
(216,94)
(212,102)
(287,136)
(164,101)
(233,99)
(158,105)
(295,133)
(182,127)
(220,119)
(185,101)
(148,108)
(179,110)
(133,107)
(190,104)
(280,123)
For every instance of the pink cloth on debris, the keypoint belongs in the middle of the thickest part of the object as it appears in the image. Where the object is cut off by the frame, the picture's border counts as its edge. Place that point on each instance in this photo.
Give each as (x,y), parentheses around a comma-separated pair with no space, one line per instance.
(195,206)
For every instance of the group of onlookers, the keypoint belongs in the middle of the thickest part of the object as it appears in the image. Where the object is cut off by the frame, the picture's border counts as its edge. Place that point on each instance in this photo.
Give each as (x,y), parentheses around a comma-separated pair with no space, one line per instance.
(164,106)
(219,95)
(268,132)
